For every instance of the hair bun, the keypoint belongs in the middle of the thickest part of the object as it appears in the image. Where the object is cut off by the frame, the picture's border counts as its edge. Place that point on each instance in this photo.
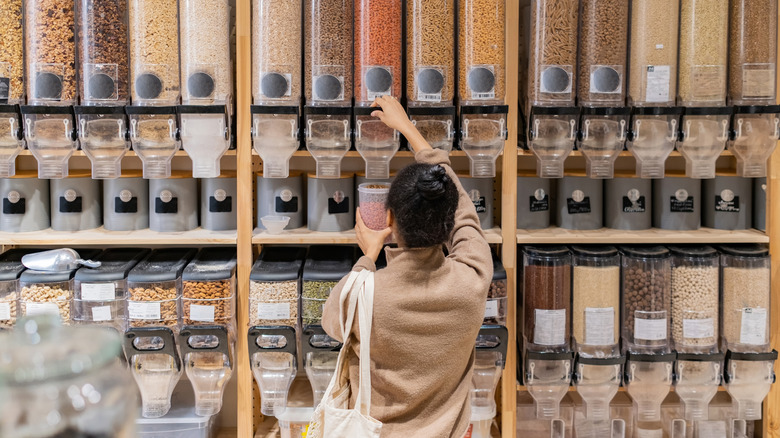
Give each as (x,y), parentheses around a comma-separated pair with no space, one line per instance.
(432,183)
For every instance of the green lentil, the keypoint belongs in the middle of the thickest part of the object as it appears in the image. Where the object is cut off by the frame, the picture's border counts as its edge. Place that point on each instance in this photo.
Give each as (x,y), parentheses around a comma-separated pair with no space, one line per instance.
(314,295)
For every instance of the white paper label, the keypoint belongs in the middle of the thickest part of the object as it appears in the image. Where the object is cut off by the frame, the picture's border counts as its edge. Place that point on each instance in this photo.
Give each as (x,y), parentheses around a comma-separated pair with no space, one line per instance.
(753,330)
(98,291)
(599,326)
(141,310)
(202,313)
(698,328)
(711,429)
(491,309)
(650,329)
(550,327)
(101,313)
(5,311)
(42,309)
(273,311)
(658,82)
(649,433)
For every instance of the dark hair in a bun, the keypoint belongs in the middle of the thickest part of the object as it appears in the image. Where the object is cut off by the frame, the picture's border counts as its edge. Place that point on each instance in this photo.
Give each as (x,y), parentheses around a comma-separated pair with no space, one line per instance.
(423,199)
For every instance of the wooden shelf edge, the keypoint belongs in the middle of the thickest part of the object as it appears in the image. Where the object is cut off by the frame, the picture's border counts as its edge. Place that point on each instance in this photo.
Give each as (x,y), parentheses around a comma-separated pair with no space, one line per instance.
(576,153)
(621,389)
(100,236)
(305,236)
(80,153)
(356,154)
(555,235)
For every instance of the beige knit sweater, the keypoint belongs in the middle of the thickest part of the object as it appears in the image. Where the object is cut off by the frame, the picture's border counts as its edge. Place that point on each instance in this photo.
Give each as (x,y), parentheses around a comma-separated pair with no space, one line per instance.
(428,309)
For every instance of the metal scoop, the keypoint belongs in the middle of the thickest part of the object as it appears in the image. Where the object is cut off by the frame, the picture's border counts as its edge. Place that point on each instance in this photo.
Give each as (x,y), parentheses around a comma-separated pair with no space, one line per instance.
(56,260)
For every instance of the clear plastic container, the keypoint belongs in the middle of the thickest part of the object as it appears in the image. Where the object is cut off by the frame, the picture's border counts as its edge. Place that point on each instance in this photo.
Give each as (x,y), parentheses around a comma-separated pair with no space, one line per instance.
(11,138)
(103,135)
(273,356)
(155,365)
(756,131)
(603,43)
(548,379)
(209,288)
(376,142)
(10,269)
(274,287)
(378,48)
(482,52)
(205,136)
(328,138)
(697,378)
(155,138)
(50,52)
(325,266)
(103,56)
(181,421)
(373,210)
(437,125)
(277,31)
(490,358)
(46,293)
(746,292)
(653,61)
(430,57)
(597,382)
(12,53)
(547,298)
(695,299)
(648,380)
(328,61)
(752,52)
(496,304)
(705,132)
(652,138)
(551,136)
(483,133)
(596,300)
(51,138)
(748,379)
(206,68)
(604,132)
(647,299)
(207,353)
(704,42)
(553,48)
(275,136)
(294,422)
(320,354)
(154,51)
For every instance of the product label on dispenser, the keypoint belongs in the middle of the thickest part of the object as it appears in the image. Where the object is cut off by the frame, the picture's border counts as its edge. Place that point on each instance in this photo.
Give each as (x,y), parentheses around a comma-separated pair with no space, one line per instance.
(5,90)
(101,313)
(550,327)
(290,206)
(482,82)
(378,81)
(11,207)
(98,291)
(637,206)
(754,325)
(726,205)
(491,309)
(224,206)
(599,326)
(430,84)
(650,329)
(711,429)
(698,328)
(338,204)
(41,309)
(536,204)
(5,311)
(684,206)
(70,206)
(581,207)
(658,83)
(162,207)
(142,310)
(201,313)
(758,80)
(120,206)
(648,433)
(273,311)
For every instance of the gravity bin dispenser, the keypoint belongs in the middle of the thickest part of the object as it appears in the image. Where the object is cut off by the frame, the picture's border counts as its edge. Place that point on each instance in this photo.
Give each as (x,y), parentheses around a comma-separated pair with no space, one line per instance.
(205,136)
(51,137)
(375,142)
(697,378)
(601,139)
(648,379)
(274,361)
(490,359)
(552,132)
(755,131)
(547,378)
(104,136)
(704,132)
(436,124)
(276,137)
(597,380)
(320,354)
(11,139)
(328,137)
(207,353)
(156,367)
(483,131)
(652,136)
(154,135)
(748,378)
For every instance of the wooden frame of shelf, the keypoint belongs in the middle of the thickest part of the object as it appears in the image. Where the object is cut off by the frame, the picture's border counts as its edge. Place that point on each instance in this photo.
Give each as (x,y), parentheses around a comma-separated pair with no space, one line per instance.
(303,236)
(555,235)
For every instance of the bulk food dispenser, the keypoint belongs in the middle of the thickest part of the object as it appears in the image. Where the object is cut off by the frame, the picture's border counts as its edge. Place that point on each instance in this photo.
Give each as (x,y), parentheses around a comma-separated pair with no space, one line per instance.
(490,358)
(154,84)
(328,67)
(103,75)
(10,269)
(11,137)
(274,291)
(375,142)
(12,88)
(482,136)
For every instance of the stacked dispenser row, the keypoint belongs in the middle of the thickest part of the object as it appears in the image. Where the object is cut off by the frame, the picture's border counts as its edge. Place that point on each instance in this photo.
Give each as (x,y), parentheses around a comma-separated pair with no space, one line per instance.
(688,60)
(287,293)
(649,318)
(105,75)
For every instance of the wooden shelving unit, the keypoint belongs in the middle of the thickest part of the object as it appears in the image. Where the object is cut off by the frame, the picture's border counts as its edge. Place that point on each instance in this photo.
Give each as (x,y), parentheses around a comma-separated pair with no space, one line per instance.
(304,236)
(101,236)
(555,235)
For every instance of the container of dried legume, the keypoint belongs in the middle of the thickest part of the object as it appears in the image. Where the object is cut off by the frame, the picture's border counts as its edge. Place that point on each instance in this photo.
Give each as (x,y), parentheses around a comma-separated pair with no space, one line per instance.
(277,31)
(437,125)
(274,287)
(328,52)
(103,55)
(154,52)
(695,298)
(704,26)
(10,269)
(596,300)
(746,295)
(11,52)
(495,306)
(325,266)
(50,46)
(603,42)
(154,288)
(209,288)
(653,61)
(752,52)
(373,208)
(378,48)
(430,57)
(481,52)
(546,298)
(553,48)
(206,69)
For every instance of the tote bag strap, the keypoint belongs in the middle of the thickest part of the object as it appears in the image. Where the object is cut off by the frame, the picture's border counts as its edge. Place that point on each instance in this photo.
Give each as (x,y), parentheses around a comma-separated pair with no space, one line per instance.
(365,321)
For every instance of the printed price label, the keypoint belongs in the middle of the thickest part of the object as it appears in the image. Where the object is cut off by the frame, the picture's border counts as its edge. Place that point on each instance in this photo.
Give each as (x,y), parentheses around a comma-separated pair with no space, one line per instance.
(658,83)
(550,327)
(599,326)
(491,309)
(754,325)
(98,291)
(650,329)
(201,313)
(698,328)
(5,311)
(273,311)
(42,309)
(101,313)
(141,310)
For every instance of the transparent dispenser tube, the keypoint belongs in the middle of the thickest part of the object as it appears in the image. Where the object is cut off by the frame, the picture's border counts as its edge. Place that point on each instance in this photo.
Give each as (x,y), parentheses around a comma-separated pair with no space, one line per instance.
(275,135)
(11,139)
(704,134)
(320,353)
(697,378)
(551,136)
(602,137)
(483,132)
(155,138)
(756,130)
(490,360)
(155,365)
(653,134)
(547,378)
(207,354)
(376,142)
(748,378)
(648,379)
(205,136)
(328,137)
(51,137)
(436,124)
(273,354)
(597,381)
(103,133)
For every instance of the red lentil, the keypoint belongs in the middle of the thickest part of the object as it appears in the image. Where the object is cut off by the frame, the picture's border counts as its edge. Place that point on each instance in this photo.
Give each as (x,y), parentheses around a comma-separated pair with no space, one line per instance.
(377,44)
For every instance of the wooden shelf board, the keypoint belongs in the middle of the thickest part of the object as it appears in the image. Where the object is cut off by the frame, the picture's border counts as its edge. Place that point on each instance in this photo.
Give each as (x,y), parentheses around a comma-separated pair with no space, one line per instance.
(356,154)
(555,235)
(100,236)
(576,153)
(621,389)
(80,153)
(305,236)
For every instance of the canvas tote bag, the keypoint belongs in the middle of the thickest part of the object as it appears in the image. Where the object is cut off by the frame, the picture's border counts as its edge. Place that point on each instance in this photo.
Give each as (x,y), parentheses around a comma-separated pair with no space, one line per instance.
(333,418)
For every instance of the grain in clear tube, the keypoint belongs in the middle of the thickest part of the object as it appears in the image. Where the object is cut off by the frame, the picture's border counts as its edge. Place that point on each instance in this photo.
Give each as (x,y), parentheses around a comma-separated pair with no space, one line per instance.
(328,47)
(703,52)
(276,47)
(695,300)
(377,44)
(154,50)
(546,288)
(430,36)
(12,48)
(743,288)
(594,288)
(654,35)
(102,34)
(481,44)
(603,45)
(50,51)
(205,49)
(752,51)
(553,51)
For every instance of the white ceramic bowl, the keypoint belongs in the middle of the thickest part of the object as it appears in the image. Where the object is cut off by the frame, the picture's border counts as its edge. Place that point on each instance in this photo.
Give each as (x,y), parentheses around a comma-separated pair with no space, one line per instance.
(275,224)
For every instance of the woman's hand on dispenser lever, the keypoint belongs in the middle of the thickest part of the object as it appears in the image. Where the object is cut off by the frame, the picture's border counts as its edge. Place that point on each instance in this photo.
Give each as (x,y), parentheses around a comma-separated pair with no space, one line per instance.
(392,114)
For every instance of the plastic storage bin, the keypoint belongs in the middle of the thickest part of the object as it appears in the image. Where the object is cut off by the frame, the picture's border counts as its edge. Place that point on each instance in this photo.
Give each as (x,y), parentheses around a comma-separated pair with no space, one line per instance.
(126,202)
(102,132)
(437,125)
(547,298)
(596,300)
(218,202)
(481,53)
(325,266)
(495,306)
(12,53)
(677,203)
(533,201)
(25,201)
(628,203)
(76,203)
(173,203)
(294,422)
(376,142)
(378,49)
(10,269)
(704,26)
(752,52)
(480,191)
(281,197)
(206,68)
(603,42)
(103,57)
(180,421)
(653,135)
(647,299)
(154,52)
(209,288)
(483,134)
(100,294)
(553,48)
(328,61)
(276,137)
(155,139)
(331,203)
(277,31)
(695,299)
(430,57)
(579,203)
(50,132)
(274,287)
(653,61)
(50,52)
(727,202)
(372,201)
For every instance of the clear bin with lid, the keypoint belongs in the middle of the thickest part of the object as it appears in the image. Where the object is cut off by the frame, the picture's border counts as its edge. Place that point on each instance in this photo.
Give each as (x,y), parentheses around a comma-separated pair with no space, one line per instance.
(274,287)
(154,288)
(102,52)
(705,132)
(51,138)
(281,197)
(12,77)
(437,125)
(100,294)
(206,68)
(551,136)
(207,354)
(209,288)
(603,43)
(697,378)
(752,52)
(276,137)
(490,358)
(748,377)
(319,353)
(273,355)
(648,380)
(11,269)
(756,130)
(328,62)
(155,364)
(654,44)
(602,137)
(294,422)
(325,266)
(746,292)
(704,33)
(430,58)
(277,33)
(547,298)
(173,203)
(496,304)
(154,134)
(11,136)
(154,51)
(695,299)
(483,133)
(652,137)
(25,200)
(553,47)
(647,299)
(126,202)
(482,52)
(328,137)
(375,142)
(378,48)
(205,136)
(103,133)
(596,300)
(50,52)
